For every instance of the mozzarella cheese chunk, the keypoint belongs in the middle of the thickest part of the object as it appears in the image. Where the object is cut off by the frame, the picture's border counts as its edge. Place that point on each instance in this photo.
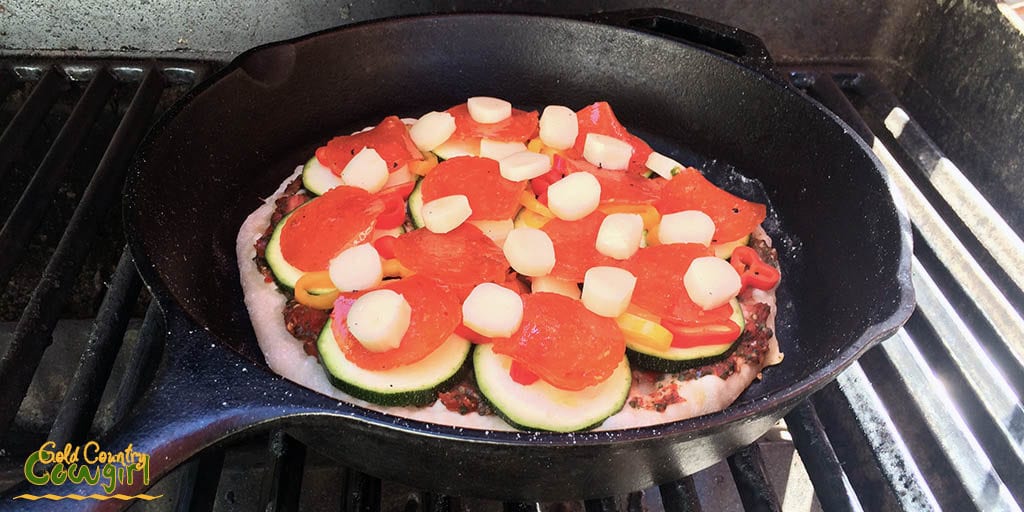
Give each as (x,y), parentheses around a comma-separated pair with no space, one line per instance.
(524,165)
(574,196)
(608,290)
(379,320)
(496,230)
(711,282)
(529,251)
(620,235)
(446,213)
(686,227)
(367,170)
(662,165)
(488,110)
(558,127)
(551,284)
(401,176)
(607,152)
(495,149)
(492,310)
(432,130)
(356,268)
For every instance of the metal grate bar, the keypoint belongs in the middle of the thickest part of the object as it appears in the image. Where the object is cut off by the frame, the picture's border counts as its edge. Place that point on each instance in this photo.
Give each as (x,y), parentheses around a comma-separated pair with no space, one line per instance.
(140,362)
(969,464)
(831,485)
(362,492)
(601,505)
(86,387)
(865,437)
(283,482)
(35,200)
(32,334)
(197,491)
(959,193)
(998,412)
(32,112)
(749,474)
(680,496)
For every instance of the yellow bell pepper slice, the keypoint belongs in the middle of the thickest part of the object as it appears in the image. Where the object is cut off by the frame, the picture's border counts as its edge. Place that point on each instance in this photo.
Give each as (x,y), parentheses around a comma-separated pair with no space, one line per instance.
(315,289)
(532,219)
(643,331)
(394,268)
(422,167)
(647,212)
(530,202)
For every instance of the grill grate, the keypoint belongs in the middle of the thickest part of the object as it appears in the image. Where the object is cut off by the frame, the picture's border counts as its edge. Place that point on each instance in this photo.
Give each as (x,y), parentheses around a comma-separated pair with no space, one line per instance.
(930,419)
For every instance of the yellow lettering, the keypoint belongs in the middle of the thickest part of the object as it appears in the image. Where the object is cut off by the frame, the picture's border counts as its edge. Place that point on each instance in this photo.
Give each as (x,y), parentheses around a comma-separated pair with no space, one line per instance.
(46,456)
(89,453)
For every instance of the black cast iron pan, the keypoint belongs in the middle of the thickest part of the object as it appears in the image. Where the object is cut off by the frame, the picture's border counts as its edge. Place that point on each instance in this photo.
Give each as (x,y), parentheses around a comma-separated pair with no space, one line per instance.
(692,87)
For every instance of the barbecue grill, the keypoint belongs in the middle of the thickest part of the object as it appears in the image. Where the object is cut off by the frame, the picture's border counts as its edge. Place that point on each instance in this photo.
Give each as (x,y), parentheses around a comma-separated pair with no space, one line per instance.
(932,418)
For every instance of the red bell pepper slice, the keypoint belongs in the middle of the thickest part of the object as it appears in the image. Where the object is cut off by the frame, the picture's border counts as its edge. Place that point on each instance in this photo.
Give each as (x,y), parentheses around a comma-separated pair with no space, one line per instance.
(753,271)
(385,246)
(688,336)
(393,214)
(521,374)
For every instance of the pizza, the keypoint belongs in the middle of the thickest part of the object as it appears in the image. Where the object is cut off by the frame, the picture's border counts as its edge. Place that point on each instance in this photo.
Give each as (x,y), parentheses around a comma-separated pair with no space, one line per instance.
(495,268)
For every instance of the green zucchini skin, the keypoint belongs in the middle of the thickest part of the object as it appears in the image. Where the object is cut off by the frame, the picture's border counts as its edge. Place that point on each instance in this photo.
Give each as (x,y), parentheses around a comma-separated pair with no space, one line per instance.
(284,273)
(439,371)
(416,205)
(540,406)
(678,359)
(317,179)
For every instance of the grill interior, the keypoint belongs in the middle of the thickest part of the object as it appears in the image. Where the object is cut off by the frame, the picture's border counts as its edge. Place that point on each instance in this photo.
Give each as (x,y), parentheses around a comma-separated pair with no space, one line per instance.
(929,419)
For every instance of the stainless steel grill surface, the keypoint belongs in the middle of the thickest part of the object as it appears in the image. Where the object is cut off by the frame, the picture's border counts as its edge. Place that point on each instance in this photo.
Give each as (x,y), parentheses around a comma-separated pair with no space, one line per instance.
(930,419)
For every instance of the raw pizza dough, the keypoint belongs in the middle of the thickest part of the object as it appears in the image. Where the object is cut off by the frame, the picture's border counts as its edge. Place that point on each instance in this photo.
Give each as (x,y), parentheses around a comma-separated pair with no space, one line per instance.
(286,357)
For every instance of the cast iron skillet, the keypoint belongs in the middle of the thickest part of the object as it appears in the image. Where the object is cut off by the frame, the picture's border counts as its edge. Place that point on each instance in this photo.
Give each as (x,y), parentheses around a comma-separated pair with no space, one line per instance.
(692,87)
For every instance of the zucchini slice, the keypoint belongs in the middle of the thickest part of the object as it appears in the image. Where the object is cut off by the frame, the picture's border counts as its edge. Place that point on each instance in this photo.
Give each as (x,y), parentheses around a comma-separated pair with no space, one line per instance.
(541,406)
(414,384)
(454,148)
(284,273)
(678,359)
(416,205)
(317,178)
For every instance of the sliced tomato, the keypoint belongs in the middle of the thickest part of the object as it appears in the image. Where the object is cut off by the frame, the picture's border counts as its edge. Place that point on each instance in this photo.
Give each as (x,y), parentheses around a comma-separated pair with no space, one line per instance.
(734,217)
(322,228)
(491,196)
(390,138)
(620,186)
(659,272)
(563,342)
(575,246)
(459,259)
(599,118)
(435,315)
(521,126)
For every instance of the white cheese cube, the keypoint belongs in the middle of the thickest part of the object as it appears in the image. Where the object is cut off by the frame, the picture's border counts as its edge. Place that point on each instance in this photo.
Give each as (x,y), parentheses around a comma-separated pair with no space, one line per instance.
(401,176)
(492,310)
(620,235)
(367,170)
(496,149)
(524,165)
(662,165)
(379,320)
(356,268)
(607,152)
(432,130)
(446,213)
(711,282)
(687,227)
(559,127)
(608,290)
(488,110)
(529,251)
(550,284)
(574,196)
(496,230)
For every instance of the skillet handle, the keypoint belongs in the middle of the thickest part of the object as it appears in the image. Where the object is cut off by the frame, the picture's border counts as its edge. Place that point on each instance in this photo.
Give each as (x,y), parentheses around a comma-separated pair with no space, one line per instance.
(738,45)
(201,393)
